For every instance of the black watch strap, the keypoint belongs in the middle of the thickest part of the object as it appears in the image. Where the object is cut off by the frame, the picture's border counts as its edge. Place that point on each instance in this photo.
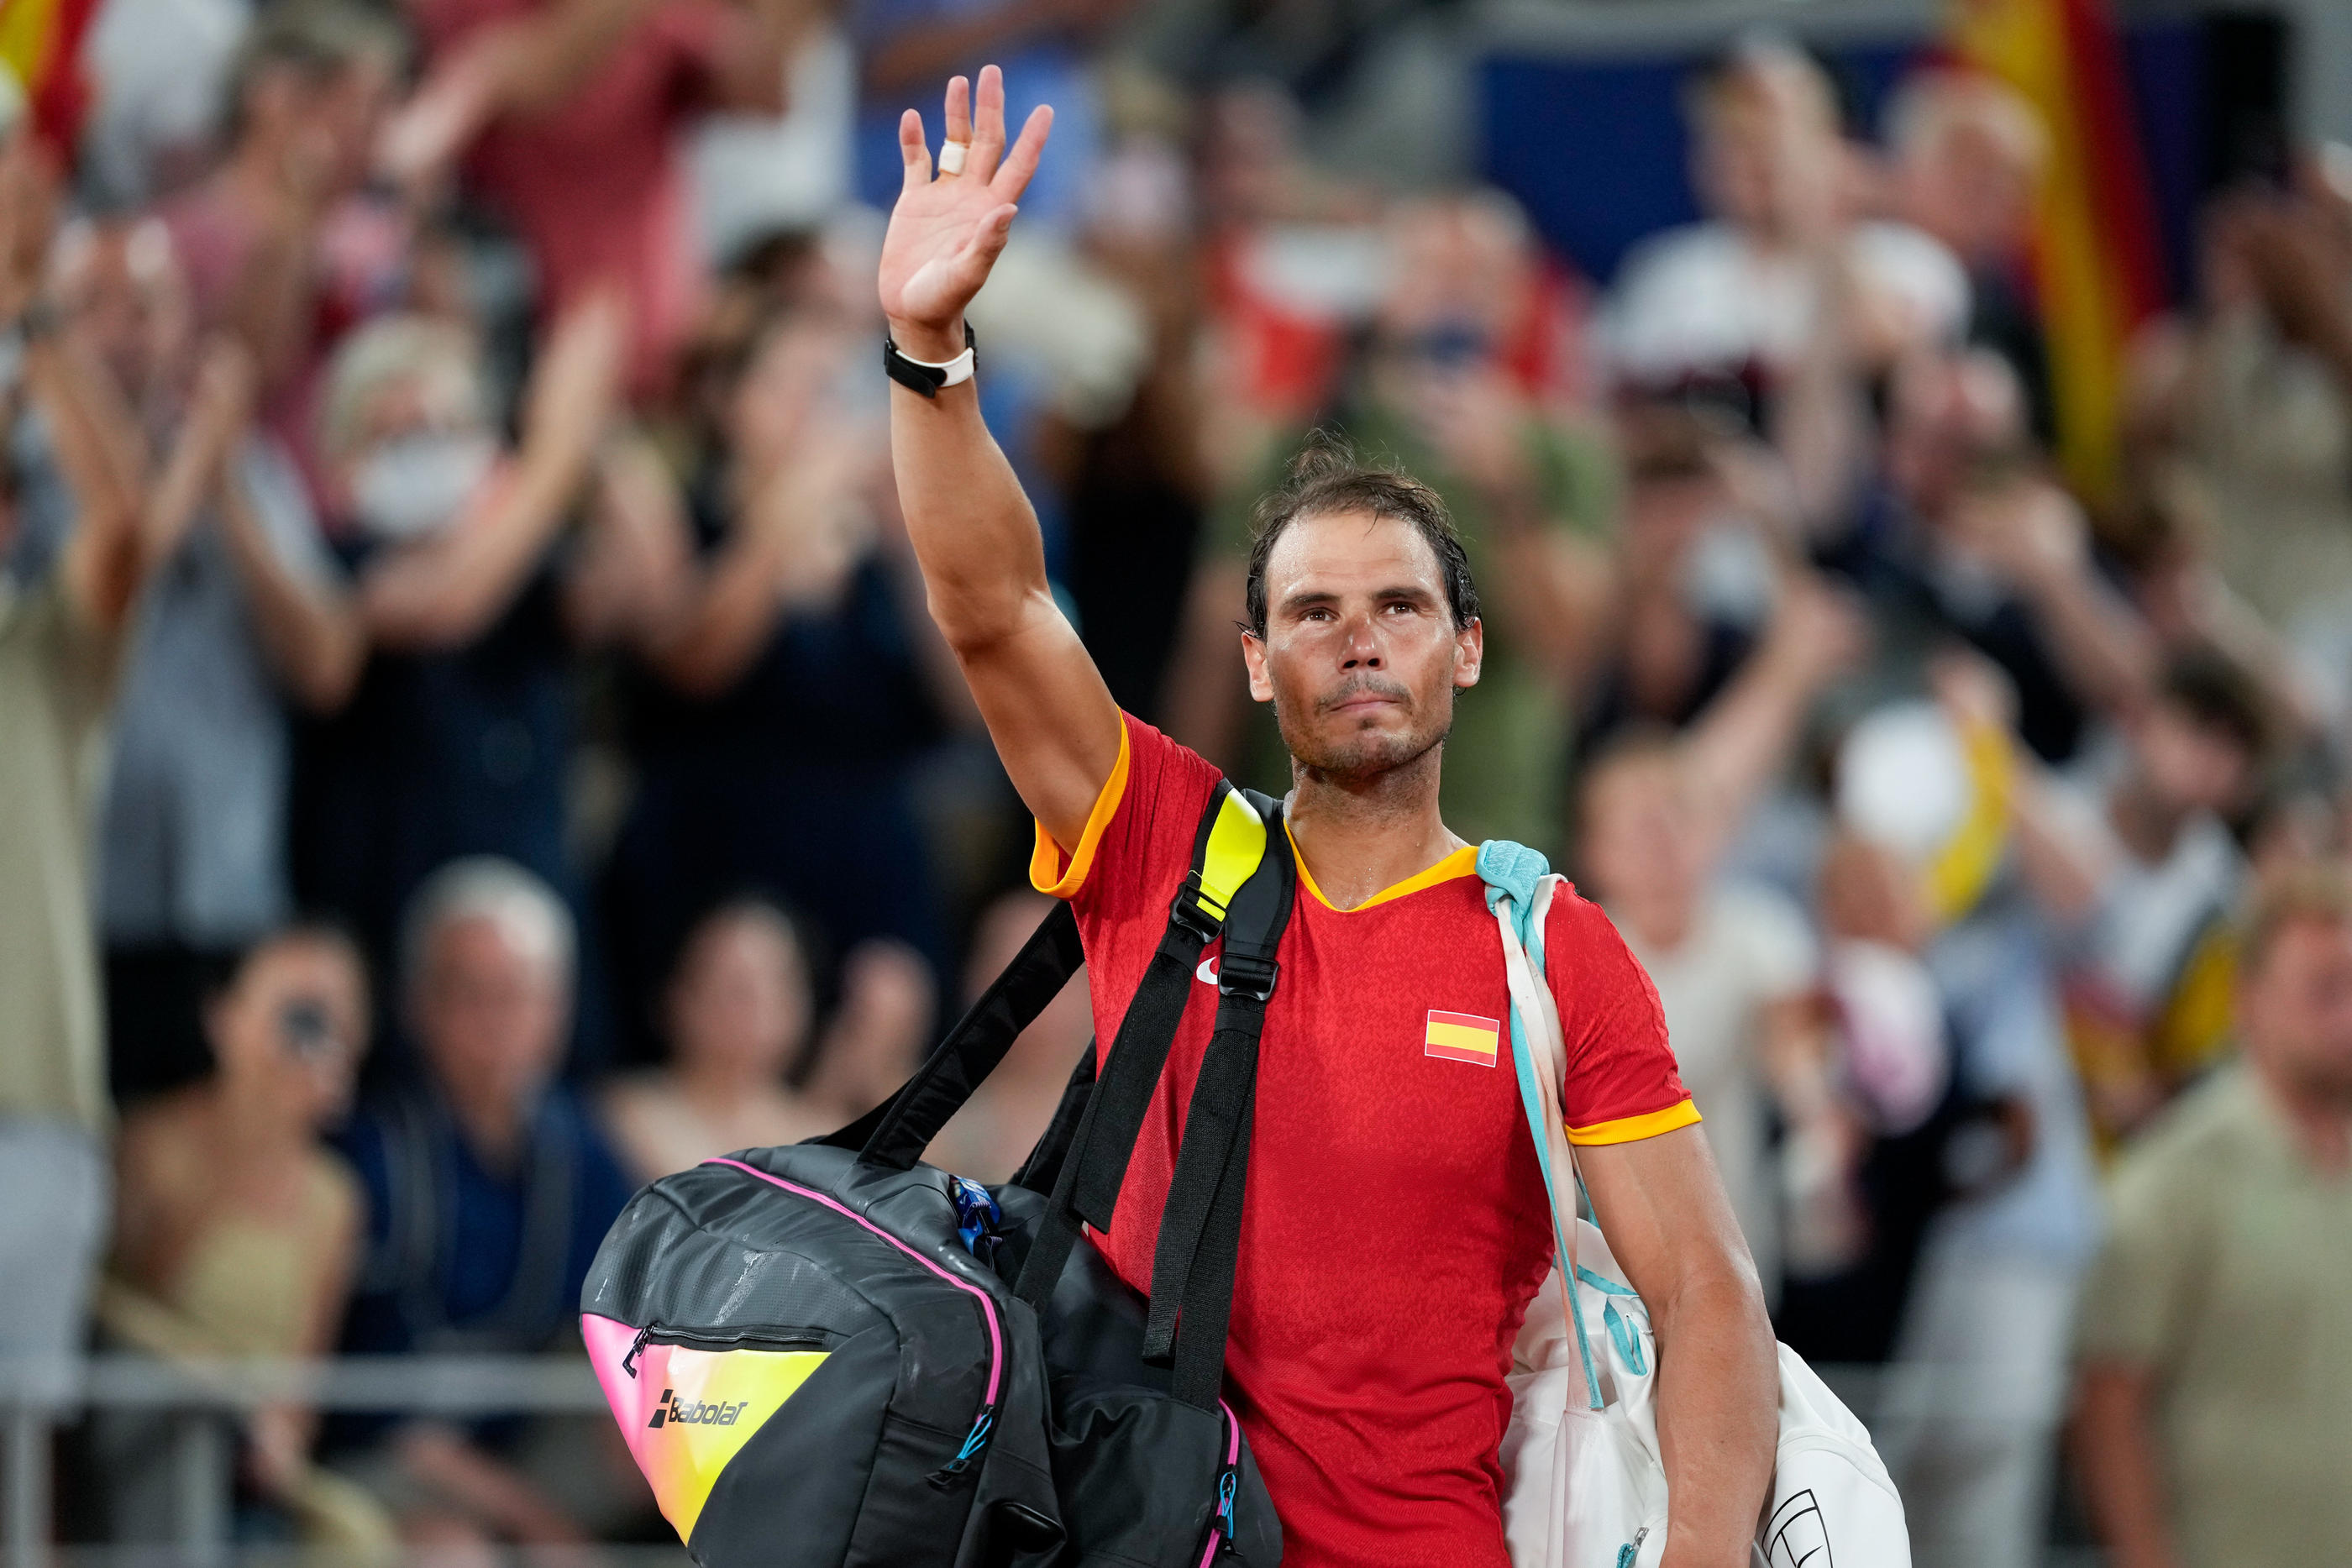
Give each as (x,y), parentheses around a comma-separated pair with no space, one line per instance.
(924,381)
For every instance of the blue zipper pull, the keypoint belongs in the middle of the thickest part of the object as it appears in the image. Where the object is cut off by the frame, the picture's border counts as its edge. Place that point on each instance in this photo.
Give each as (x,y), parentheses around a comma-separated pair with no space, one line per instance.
(974,1441)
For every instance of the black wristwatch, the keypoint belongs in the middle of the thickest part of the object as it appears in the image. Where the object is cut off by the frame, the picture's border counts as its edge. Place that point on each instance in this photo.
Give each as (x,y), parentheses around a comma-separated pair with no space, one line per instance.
(925,380)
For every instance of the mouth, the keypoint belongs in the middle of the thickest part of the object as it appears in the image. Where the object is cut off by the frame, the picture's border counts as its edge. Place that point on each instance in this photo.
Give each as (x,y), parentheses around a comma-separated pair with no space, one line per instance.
(1359,703)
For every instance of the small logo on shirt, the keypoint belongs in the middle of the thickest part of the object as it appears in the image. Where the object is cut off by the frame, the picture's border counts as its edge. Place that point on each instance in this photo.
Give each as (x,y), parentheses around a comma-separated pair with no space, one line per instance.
(1461,1037)
(1207,973)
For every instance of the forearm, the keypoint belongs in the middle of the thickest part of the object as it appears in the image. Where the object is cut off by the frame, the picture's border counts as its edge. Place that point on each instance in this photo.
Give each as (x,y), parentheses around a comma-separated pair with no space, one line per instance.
(2116,1455)
(2103,649)
(309,630)
(1718,1419)
(101,562)
(1554,588)
(750,68)
(732,615)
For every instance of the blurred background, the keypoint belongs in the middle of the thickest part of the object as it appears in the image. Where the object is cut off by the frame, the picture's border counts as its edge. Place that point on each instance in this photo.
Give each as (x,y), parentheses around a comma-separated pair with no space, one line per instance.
(471,741)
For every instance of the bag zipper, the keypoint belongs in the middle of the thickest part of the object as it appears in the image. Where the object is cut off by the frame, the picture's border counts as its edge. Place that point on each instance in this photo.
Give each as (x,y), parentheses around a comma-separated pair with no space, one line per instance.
(983,1424)
(657,1333)
(1219,1537)
(1631,1552)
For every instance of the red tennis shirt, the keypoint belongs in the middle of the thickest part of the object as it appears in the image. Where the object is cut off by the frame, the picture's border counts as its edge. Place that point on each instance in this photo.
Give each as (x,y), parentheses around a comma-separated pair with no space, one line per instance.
(1394,1225)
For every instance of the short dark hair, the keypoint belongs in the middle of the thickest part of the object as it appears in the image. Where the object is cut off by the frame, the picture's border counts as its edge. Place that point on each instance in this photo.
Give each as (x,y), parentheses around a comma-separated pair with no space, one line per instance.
(2216,695)
(1327,475)
(317,39)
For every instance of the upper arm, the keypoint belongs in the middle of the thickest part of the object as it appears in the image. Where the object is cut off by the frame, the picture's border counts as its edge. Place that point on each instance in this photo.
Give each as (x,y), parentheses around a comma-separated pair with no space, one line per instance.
(1661,1203)
(1618,1082)
(1052,717)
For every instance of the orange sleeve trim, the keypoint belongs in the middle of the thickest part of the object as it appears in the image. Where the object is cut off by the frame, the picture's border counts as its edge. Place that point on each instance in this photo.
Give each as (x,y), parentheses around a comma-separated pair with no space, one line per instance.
(1632,1129)
(1048,875)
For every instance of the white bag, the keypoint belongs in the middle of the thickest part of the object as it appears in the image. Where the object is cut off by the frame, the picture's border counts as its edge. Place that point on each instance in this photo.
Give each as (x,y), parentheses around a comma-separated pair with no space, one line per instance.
(1585,1483)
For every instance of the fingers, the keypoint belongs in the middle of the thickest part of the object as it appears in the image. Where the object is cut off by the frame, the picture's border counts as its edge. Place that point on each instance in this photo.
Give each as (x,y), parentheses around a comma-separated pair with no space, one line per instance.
(912,149)
(988,123)
(1021,164)
(959,110)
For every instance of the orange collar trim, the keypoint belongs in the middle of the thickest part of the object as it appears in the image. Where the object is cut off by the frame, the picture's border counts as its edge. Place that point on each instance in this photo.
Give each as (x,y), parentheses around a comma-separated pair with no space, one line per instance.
(1462,862)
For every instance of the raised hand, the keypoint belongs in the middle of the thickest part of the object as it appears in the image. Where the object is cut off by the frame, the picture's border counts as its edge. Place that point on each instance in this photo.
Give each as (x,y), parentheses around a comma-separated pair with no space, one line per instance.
(947,230)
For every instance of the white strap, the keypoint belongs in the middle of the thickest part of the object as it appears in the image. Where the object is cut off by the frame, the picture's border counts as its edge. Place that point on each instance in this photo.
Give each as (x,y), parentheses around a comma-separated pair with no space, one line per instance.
(954,372)
(1536,1030)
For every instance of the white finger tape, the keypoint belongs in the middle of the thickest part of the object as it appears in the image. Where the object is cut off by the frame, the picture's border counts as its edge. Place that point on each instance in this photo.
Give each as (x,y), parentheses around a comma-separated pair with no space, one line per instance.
(951,156)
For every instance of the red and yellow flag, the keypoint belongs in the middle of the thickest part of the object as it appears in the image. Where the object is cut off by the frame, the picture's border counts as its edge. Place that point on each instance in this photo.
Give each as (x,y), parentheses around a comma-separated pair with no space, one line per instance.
(2098,268)
(1462,1037)
(40,44)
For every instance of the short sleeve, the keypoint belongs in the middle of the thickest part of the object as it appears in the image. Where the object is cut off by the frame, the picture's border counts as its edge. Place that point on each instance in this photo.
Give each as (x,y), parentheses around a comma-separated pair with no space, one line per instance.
(1620,1082)
(1139,837)
(2132,1301)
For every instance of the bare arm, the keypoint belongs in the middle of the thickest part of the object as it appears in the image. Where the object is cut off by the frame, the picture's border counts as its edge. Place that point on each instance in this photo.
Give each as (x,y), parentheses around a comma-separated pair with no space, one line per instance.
(103,565)
(446,589)
(1206,689)
(310,629)
(2115,1455)
(1054,725)
(1669,1224)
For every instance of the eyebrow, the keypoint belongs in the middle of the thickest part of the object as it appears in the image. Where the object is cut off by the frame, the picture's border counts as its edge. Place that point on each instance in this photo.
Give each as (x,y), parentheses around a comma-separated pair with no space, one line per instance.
(1307,599)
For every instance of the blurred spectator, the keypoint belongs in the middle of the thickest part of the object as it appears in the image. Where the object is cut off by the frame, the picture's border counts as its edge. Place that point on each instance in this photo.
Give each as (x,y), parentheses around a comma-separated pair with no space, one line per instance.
(1734,962)
(1001,1124)
(907,47)
(2254,390)
(1535,496)
(488,1190)
(274,248)
(457,737)
(1695,575)
(739,1008)
(534,94)
(796,681)
(2141,863)
(159,70)
(236,1233)
(2214,1408)
(244,612)
(1964,537)
(1783,264)
(70,570)
(740,1012)
(1970,156)
(1972,1412)
(756,174)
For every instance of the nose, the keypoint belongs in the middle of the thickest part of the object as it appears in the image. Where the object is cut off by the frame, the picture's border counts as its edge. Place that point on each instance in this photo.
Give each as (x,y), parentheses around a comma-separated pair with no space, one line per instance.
(1363,649)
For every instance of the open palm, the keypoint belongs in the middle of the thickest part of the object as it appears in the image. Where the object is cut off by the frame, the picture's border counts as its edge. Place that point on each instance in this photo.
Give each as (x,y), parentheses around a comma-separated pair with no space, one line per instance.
(947,231)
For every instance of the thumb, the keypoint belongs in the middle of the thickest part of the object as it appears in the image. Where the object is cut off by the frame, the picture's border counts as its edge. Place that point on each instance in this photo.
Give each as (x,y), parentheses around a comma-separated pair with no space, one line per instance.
(985,244)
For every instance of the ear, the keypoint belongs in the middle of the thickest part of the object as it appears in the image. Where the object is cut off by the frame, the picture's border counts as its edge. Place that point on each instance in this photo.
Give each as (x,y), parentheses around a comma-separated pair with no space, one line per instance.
(1261,683)
(1469,654)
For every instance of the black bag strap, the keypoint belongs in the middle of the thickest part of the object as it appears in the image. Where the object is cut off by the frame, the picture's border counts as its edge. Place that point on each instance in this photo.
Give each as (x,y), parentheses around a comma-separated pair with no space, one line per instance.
(1195,1257)
(903,1126)
(1229,851)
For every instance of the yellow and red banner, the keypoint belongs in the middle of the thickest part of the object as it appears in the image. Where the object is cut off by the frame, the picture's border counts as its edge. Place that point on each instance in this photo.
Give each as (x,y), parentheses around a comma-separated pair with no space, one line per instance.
(40,44)
(1462,1037)
(2098,268)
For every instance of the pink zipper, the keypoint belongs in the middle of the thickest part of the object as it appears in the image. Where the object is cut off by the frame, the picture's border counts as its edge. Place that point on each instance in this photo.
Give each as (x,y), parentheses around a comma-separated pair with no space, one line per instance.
(987,1307)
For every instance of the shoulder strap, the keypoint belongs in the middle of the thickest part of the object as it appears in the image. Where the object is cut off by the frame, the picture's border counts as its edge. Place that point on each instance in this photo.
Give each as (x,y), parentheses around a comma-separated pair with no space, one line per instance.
(1519,889)
(1228,848)
(1196,1257)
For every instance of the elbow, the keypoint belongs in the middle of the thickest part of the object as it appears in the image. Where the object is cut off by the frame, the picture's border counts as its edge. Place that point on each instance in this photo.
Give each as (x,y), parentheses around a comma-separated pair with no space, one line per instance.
(976,625)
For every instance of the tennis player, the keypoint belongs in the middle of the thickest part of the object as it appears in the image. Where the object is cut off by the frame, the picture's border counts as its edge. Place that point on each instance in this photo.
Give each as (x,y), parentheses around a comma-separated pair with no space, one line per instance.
(1395,1224)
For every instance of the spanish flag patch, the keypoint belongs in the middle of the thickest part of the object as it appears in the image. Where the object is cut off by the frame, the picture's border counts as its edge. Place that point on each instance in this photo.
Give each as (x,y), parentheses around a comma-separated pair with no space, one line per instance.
(1462,1037)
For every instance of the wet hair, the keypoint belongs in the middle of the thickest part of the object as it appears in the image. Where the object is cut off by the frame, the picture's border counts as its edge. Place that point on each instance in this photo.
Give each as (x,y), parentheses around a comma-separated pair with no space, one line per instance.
(1328,476)
(2216,695)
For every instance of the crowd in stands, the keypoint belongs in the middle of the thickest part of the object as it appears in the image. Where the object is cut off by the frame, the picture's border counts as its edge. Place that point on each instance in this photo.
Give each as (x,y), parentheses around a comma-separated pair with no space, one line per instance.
(471,741)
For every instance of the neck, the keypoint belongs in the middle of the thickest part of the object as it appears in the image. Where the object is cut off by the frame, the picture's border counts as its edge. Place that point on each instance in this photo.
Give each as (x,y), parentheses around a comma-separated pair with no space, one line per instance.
(1362,833)
(493,1126)
(2320,1121)
(2146,825)
(721,1087)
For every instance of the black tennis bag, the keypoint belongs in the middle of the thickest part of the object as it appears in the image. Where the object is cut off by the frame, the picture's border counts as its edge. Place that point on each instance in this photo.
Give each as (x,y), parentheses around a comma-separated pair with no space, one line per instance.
(831,1353)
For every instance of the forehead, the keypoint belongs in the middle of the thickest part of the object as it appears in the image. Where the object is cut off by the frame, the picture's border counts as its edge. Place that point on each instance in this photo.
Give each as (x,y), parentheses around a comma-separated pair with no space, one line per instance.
(1351,551)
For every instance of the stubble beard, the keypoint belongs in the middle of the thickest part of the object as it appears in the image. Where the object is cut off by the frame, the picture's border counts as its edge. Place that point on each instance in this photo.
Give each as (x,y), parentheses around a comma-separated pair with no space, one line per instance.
(1364,753)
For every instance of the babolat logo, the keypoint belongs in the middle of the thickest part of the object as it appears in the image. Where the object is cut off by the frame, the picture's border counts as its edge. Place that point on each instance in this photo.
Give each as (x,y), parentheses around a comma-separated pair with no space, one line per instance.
(671,1412)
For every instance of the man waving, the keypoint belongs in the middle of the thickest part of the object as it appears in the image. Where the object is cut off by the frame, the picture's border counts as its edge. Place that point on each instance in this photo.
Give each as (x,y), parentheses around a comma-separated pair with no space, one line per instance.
(1395,1224)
